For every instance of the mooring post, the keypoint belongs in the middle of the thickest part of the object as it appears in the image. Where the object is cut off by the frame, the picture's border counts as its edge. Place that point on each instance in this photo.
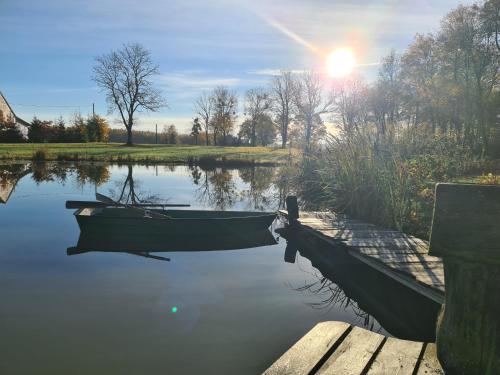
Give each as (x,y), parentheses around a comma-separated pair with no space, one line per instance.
(466,234)
(292,208)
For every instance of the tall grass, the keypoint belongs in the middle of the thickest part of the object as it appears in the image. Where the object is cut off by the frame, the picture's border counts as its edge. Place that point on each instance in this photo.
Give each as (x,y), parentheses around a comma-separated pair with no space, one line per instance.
(388,182)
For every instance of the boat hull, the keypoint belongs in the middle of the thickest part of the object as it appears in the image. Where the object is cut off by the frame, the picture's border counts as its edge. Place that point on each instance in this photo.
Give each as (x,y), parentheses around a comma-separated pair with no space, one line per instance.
(117,221)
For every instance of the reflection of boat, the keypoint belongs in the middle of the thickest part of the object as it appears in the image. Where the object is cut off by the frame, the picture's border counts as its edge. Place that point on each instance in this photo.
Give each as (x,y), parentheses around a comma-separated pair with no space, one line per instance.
(119,221)
(143,244)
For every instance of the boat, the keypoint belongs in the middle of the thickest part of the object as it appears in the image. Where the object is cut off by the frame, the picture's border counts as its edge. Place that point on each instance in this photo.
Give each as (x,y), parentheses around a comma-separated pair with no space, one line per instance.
(116,221)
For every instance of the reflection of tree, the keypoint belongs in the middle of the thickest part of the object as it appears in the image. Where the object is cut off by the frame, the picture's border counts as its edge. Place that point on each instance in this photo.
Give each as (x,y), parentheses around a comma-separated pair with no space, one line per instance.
(9,176)
(261,190)
(96,174)
(196,174)
(332,296)
(215,187)
(129,191)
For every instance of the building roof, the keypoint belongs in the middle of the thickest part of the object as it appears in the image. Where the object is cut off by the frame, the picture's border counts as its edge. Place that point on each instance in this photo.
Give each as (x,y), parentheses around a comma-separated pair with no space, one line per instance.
(19,120)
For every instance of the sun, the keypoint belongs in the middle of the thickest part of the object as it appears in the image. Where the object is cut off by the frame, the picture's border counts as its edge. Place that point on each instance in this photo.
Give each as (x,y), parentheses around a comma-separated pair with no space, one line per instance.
(340,63)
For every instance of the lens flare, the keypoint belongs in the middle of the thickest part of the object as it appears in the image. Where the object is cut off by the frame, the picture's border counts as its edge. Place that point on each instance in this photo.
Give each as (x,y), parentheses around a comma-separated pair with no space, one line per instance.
(340,62)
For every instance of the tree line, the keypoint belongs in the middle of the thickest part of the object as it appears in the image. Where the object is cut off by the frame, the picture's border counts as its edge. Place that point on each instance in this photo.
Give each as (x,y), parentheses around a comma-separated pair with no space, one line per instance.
(91,129)
(445,84)
(289,109)
(432,115)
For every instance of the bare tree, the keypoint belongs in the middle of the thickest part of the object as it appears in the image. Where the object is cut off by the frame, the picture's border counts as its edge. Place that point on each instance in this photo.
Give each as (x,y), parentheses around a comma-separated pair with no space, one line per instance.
(282,102)
(204,107)
(224,116)
(125,76)
(311,103)
(257,103)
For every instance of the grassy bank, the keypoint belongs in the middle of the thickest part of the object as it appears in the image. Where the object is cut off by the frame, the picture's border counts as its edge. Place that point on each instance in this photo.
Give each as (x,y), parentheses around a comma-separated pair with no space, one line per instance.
(114,152)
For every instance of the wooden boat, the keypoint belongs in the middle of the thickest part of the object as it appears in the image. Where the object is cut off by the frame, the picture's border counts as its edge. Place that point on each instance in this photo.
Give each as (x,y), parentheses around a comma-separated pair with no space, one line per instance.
(121,220)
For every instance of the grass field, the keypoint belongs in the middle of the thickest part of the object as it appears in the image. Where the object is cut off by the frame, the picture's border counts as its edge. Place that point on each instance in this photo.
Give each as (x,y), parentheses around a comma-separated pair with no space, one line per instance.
(114,152)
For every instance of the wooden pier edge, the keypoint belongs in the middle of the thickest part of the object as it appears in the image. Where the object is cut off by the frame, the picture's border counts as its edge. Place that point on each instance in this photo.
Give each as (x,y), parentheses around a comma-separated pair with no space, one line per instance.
(410,265)
(339,348)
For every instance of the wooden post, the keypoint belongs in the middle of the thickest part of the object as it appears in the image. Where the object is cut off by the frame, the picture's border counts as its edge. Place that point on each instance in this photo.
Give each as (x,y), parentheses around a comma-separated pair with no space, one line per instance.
(292,208)
(466,234)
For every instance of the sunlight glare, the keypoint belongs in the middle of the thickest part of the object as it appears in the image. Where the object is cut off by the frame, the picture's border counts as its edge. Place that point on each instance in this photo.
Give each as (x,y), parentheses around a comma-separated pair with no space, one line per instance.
(340,62)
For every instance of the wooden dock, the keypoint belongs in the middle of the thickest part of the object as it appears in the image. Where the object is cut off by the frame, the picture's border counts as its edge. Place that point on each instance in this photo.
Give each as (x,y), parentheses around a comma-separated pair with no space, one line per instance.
(341,349)
(399,256)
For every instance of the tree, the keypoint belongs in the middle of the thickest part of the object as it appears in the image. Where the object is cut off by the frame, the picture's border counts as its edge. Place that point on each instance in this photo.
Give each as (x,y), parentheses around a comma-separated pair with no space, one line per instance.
(204,107)
(490,16)
(351,105)
(257,103)
(40,131)
(311,103)
(60,125)
(225,104)
(171,134)
(195,130)
(265,131)
(9,132)
(126,78)
(97,129)
(282,102)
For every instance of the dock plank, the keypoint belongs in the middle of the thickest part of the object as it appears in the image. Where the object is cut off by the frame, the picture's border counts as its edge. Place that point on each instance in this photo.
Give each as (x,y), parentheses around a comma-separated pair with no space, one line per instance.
(302,357)
(397,357)
(339,349)
(429,365)
(353,354)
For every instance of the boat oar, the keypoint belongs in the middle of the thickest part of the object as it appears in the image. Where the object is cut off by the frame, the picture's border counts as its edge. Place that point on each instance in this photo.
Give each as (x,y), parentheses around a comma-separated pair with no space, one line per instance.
(92,204)
(104,199)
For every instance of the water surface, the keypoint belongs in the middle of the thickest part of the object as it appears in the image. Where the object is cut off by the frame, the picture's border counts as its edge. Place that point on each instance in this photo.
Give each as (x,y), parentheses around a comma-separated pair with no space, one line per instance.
(217,312)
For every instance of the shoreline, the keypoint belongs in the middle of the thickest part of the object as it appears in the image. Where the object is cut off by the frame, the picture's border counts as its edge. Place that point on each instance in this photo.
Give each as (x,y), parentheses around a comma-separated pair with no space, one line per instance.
(147,154)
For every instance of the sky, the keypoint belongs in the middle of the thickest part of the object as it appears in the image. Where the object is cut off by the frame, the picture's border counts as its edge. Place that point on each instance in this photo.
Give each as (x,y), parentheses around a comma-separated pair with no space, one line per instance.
(48,48)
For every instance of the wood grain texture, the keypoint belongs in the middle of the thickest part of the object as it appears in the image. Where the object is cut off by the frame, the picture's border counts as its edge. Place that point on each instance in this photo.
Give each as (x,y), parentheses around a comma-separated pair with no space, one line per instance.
(466,222)
(397,357)
(429,365)
(353,354)
(337,349)
(301,358)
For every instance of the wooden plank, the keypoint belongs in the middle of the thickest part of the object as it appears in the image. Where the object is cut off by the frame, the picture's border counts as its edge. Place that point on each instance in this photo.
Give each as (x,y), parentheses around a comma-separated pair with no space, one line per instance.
(402,242)
(401,256)
(429,365)
(403,252)
(353,354)
(309,350)
(397,357)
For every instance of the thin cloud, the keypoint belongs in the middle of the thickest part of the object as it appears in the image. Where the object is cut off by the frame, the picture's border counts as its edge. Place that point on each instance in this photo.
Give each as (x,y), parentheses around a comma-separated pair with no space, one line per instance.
(182,80)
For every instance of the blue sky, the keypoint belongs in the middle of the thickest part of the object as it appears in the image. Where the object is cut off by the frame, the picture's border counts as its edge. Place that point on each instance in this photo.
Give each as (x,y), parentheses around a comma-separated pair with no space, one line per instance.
(47,48)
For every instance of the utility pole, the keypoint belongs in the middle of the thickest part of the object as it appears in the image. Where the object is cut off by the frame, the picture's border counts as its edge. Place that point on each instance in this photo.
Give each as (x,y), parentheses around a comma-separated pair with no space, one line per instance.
(156,133)
(93,110)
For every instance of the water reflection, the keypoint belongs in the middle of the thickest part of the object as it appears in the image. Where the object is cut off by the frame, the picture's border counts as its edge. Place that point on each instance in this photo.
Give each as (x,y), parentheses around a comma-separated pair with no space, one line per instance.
(129,190)
(96,174)
(215,186)
(10,174)
(145,243)
(344,281)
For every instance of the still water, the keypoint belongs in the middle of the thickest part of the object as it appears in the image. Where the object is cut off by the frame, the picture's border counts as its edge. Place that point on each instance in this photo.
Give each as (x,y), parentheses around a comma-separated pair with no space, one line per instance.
(212,312)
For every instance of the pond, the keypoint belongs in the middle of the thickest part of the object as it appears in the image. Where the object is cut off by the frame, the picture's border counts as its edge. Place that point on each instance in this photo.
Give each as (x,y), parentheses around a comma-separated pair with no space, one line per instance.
(183,312)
